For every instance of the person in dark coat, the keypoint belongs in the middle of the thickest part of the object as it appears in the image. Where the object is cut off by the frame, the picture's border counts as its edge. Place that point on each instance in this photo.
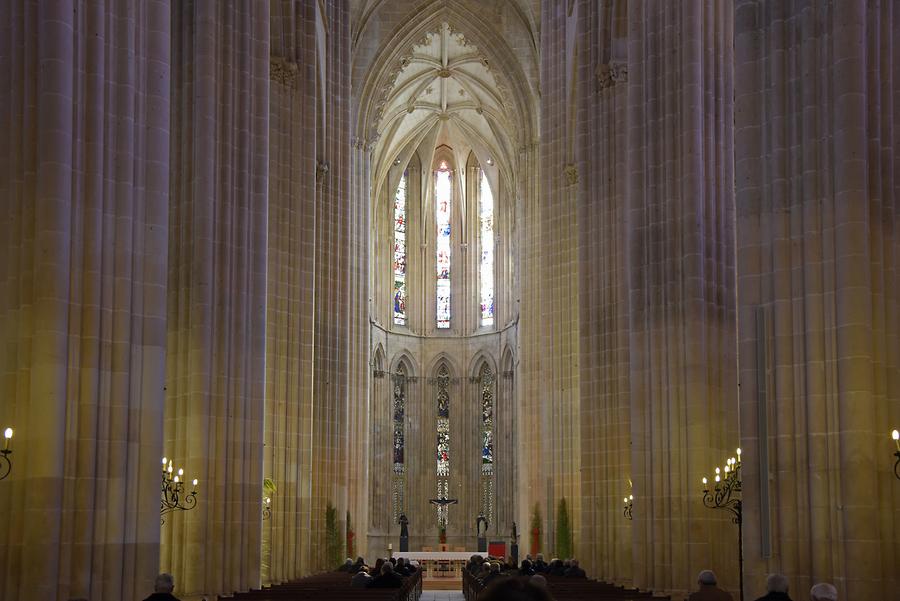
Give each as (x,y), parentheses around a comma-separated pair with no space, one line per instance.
(526,569)
(776,588)
(388,578)
(708,590)
(575,570)
(557,568)
(347,566)
(540,566)
(162,589)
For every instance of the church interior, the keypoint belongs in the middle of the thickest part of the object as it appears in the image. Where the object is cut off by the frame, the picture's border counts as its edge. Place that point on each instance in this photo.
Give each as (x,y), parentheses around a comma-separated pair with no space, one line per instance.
(289,281)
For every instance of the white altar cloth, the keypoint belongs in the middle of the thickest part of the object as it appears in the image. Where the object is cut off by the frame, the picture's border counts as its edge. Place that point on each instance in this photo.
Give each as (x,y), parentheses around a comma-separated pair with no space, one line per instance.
(437,555)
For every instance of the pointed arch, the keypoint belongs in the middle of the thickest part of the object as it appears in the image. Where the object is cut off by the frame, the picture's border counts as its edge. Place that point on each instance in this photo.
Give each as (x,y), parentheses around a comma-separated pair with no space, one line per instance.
(378,358)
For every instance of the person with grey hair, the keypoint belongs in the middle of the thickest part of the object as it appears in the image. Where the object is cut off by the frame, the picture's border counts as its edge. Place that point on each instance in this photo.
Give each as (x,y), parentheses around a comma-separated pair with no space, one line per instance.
(162,589)
(708,590)
(823,592)
(776,588)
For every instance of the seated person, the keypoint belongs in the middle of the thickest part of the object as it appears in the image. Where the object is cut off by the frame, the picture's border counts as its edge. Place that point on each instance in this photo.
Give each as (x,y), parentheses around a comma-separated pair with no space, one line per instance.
(526,569)
(361,579)
(347,565)
(360,563)
(492,575)
(162,589)
(574,570)
(776,588)
(708,590)
(540,566)
(400,568)
(387,579)
(556,568)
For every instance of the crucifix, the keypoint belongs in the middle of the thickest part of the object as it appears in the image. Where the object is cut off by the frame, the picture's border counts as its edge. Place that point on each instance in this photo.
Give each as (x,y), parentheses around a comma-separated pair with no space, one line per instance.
(442,502)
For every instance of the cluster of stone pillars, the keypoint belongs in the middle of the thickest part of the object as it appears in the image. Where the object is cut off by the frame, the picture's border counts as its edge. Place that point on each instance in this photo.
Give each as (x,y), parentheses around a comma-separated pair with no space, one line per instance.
(178,278)
(730,169)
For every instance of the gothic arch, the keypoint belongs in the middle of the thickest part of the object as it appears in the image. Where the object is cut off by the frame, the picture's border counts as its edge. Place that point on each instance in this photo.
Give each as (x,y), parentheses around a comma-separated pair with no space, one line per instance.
(378,358)
(404,358)
(482,358)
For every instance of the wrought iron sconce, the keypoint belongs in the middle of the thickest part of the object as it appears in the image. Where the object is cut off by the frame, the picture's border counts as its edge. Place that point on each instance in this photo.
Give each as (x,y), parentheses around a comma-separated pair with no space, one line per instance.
(5,463)
(267,508)
(726,494)
(629,506)
(896,436)
(174,497)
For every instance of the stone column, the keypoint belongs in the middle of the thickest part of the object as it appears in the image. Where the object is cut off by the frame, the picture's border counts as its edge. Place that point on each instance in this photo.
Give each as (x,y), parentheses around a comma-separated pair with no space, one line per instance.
(554,319)
(84,103)
(291,291)
(681,294)
(605,547)
(817,102)
(217,291)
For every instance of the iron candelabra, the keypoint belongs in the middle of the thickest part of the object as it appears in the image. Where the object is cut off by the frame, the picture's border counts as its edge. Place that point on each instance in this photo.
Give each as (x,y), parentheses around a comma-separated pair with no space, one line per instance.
(5,462)
(267,508)
(726,494)
(174,496)
(629,506)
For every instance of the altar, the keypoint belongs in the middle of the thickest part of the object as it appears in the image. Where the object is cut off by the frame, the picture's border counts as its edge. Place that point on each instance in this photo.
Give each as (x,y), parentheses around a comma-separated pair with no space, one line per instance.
(440,569)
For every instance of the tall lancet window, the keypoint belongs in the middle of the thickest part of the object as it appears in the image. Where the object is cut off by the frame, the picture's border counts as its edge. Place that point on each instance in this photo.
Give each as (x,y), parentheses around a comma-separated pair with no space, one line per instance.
(443,193)
(443,439)
(486,269)
(398,408)
(400,250)
(486,378)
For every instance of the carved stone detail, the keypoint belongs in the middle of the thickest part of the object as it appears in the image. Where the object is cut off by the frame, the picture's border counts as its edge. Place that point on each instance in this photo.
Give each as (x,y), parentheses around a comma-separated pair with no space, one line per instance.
(322,169)
(571,172)
(611,73)
(283,71)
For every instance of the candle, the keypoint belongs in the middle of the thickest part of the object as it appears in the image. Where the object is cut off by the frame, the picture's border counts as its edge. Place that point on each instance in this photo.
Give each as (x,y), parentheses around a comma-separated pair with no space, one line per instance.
(7,434)
(895,435)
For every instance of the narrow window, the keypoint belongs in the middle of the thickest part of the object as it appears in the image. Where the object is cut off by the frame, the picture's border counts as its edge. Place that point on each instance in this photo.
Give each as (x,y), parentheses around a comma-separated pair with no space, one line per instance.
(443,204)
(486,272)
(400,251)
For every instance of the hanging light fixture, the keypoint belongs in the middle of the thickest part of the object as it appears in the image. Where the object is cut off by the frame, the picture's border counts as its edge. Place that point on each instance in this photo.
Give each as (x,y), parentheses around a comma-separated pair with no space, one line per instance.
(5,463)
(173,495)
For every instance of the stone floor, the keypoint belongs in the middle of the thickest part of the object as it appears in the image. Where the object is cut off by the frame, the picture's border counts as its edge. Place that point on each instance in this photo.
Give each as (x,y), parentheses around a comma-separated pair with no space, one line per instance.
(442,596)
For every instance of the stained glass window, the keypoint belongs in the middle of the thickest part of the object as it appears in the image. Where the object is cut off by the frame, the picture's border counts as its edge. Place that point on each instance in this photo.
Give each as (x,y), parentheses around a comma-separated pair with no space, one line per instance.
(486,269)
(399,407)
(486,377)
(443,202)
(443,422)
(487,420)
(398,410)
(400,250)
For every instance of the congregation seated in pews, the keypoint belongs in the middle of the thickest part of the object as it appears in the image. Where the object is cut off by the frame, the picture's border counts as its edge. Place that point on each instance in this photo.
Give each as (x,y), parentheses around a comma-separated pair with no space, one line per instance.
(537,580)
(387,580)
